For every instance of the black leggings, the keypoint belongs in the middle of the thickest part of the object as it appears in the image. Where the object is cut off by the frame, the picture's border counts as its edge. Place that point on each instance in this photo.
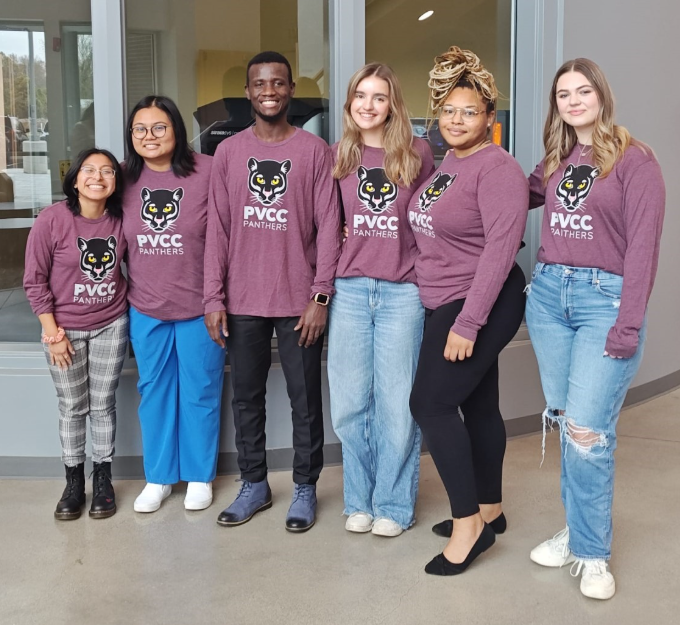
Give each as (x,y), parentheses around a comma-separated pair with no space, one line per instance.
(468,455)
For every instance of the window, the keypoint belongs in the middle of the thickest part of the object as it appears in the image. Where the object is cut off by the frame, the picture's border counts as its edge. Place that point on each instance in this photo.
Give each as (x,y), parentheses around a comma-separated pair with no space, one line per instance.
(395,35)
(196,53)
(46,78)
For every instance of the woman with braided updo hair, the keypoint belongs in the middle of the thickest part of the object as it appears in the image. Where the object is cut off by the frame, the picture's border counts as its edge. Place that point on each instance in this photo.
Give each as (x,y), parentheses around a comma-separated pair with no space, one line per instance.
(468,220)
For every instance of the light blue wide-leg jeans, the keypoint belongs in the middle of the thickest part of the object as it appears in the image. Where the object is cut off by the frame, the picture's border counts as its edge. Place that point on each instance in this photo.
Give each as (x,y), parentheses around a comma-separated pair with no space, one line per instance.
(375,330)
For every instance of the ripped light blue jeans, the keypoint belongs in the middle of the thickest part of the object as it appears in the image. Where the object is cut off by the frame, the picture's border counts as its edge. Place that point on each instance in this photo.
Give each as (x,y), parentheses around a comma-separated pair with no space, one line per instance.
(569,313)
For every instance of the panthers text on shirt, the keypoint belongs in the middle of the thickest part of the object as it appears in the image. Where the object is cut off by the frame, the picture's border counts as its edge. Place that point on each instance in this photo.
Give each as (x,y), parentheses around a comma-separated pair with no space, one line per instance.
(160,244)
(265,218)
(571,225)
(381,226)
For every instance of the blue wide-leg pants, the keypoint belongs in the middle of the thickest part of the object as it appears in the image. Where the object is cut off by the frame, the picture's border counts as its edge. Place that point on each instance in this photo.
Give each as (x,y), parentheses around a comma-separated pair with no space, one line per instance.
(181,371)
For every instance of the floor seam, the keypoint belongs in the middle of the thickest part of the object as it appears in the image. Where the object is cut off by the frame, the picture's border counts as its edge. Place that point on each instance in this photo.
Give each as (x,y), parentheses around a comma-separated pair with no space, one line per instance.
(646,438)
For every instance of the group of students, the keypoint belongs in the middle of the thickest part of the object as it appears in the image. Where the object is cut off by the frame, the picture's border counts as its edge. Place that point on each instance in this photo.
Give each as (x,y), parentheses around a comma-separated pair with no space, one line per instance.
(413,269)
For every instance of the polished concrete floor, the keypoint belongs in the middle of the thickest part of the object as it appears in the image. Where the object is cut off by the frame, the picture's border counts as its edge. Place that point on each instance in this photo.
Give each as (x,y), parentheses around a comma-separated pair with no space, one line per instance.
(175,567)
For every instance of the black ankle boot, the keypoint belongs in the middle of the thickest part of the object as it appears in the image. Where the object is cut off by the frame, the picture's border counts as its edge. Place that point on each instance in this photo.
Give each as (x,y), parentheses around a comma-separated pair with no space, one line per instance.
(103,497)
(73,497)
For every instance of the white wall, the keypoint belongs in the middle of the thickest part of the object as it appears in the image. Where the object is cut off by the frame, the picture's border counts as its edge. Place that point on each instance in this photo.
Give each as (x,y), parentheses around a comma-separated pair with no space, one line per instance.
(637,46)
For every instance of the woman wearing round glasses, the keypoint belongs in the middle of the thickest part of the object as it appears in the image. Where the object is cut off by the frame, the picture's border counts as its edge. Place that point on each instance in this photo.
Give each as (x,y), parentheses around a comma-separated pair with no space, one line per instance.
(74,284)
(604,200)
(468,220)
(180,368)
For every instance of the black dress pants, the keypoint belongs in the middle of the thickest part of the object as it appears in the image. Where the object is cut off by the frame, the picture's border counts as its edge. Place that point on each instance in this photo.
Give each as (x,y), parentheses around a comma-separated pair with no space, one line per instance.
(249,353)
(468,452)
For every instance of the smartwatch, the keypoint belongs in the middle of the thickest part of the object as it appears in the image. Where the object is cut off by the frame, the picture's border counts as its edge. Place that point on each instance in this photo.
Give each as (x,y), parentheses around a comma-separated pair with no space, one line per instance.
(321,299)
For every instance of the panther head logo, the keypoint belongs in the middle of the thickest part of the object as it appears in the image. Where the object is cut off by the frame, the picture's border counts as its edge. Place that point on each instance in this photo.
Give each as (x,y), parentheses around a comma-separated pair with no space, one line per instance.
(97,257)
(375,191)
(268,180)
(434,190)
(160,208)
(575,186)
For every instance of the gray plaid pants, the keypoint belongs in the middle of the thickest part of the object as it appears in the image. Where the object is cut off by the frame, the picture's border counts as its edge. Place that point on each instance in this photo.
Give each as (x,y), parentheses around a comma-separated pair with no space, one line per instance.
(88,387)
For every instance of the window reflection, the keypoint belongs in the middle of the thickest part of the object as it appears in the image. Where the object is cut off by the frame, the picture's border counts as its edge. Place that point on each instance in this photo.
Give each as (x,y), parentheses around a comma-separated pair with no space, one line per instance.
(46,106)
(198,51)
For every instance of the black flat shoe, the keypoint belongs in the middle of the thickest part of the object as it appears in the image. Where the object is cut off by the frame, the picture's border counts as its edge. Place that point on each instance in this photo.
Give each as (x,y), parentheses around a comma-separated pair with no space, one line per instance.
(439,565)
(445,528)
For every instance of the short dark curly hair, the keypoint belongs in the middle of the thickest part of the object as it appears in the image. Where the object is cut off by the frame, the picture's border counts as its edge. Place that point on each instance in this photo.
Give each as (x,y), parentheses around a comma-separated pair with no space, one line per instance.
(269,57)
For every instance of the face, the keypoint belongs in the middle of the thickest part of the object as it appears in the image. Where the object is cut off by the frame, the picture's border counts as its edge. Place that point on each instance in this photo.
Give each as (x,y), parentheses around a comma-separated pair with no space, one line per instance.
(269,90)
(371,106)
(463,120)
(577,101)
(92,185)
(154,150)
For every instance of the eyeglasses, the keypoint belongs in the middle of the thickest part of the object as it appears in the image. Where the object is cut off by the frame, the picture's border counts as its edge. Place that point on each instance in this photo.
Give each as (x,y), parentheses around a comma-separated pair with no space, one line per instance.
(139,132)
(105,172)
(467,115)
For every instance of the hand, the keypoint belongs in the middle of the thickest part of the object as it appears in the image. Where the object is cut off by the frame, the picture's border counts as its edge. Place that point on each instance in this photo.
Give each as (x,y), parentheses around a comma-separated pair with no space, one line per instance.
(60,354)
(457,347)
(216,322)
(312,323)
(345,233)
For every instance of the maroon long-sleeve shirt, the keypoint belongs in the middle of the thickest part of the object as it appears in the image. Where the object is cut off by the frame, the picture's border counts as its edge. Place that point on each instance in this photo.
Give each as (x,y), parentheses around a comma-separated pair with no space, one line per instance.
(73,268)
(380,243)
(273,236)
(611,223)
(164,221)
(468,220)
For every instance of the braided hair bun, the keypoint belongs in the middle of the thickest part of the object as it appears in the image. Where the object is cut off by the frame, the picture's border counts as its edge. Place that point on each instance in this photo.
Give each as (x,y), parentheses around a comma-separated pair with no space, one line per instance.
(459,68)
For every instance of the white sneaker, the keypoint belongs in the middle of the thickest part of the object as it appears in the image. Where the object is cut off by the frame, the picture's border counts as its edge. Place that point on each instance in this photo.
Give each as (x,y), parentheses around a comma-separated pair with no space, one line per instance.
(199,496)
(360,522)
(151,498)
(554,551)
(386,527)
(596,582)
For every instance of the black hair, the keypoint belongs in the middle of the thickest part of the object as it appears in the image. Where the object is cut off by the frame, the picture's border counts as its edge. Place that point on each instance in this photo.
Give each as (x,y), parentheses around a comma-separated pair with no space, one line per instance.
(269,57)
(183,161)
(114,203)
(464,83)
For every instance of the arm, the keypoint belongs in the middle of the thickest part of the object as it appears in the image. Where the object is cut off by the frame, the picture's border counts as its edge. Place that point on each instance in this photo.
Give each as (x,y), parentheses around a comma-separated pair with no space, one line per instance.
(536,188)
(61,352)
(312,322)
(39,254)
(40,249)
(327,224)
(216,251)
(644,199)
(502,196)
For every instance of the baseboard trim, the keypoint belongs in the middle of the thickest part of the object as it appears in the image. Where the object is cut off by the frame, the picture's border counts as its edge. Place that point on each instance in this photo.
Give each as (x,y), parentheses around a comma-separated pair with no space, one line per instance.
(131,468)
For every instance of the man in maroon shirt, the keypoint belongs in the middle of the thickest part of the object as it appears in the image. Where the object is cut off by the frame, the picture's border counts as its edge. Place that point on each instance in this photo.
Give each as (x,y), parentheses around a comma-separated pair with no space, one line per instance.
(272,247)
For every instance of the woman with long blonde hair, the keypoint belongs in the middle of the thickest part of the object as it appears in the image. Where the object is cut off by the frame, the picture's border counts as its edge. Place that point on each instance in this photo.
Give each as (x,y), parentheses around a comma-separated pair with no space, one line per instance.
(376,319)
(604,203)
(468,221)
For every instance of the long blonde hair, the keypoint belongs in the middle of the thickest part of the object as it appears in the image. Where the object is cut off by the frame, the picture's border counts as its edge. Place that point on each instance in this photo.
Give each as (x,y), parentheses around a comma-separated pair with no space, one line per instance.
(402,161)
(609,140)
(459,68)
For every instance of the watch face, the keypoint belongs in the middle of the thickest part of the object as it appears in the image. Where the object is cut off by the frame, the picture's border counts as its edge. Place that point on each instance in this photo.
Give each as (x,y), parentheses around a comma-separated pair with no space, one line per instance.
(322,299)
